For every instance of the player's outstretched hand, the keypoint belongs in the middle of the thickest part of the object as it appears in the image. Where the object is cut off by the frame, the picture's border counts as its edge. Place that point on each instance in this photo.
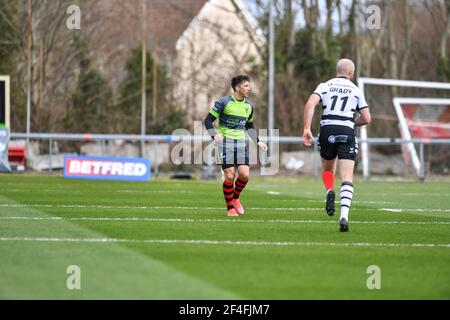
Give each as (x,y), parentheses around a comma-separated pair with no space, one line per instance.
(307,137)
(218,138)
(263,146)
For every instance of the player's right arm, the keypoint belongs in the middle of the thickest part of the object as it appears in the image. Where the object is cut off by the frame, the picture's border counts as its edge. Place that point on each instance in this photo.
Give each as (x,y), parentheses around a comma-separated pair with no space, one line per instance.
(213,114)
(308,114)
(208,122)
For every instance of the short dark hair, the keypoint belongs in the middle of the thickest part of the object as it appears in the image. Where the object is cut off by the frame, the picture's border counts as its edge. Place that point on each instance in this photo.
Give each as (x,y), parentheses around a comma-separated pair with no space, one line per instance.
(237,80)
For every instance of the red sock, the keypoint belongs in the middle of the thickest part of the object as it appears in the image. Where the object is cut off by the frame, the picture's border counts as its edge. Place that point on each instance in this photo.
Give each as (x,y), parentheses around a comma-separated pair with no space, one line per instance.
(228,193)
(240,185)
(328,179)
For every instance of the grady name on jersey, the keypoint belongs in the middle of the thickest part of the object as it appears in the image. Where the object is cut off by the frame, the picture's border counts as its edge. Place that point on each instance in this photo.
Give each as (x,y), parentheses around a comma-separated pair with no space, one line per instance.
(341,99)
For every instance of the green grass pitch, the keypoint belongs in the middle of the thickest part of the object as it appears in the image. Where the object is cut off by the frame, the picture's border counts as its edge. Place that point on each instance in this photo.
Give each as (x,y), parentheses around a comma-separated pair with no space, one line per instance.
(171,239)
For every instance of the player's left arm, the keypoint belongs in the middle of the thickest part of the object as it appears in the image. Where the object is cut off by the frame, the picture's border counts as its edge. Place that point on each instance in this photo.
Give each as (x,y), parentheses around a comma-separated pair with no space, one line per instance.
(252,132)
(363,110)
(364,117)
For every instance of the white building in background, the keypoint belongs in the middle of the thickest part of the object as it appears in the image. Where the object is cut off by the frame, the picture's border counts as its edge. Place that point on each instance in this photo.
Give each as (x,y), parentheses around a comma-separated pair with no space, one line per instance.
(222,40)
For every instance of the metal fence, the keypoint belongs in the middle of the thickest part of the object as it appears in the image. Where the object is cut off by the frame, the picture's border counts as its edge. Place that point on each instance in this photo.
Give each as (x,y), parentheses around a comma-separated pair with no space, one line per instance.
(155,140)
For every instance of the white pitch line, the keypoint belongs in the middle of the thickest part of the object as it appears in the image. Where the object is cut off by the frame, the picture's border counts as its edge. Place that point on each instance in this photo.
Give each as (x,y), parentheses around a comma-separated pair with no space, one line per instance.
(411,194)
(80,191)
(391,210)
(154,191)
(369,194)
(337,201)
(228,242)
(79,206)
(219,220)
(413,210)
(42,190)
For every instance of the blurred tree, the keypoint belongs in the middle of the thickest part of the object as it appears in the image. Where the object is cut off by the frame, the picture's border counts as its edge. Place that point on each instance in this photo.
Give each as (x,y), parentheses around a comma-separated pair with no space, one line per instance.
(88,109)
(440,14)
(128,106)
(10,46)
(173,118)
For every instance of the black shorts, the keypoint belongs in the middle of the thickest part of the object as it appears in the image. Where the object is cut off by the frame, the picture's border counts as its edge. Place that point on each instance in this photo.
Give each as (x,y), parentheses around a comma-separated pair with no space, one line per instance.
(337,141)
(232,153)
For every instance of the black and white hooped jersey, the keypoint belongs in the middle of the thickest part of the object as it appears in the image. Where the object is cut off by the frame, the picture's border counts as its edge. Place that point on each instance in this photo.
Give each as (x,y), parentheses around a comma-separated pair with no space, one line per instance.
(340,99)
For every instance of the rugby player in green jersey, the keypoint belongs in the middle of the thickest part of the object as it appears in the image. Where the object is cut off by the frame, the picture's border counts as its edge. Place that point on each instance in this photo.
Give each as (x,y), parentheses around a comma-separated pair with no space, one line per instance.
(235,114)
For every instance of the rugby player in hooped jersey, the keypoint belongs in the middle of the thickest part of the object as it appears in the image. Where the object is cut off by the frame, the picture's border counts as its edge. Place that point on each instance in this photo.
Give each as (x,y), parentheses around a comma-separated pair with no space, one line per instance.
(235,114)
(341,99)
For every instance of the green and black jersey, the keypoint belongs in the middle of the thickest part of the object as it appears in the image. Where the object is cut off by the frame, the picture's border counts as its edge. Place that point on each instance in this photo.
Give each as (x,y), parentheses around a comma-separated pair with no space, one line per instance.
(234,116)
